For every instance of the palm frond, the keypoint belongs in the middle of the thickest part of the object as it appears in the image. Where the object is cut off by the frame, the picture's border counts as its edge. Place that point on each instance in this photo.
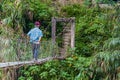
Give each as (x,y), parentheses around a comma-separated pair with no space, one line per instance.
(112,44)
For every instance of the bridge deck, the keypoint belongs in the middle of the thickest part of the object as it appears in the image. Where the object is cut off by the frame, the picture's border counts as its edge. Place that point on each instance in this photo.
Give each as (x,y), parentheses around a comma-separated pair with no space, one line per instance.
(20,63)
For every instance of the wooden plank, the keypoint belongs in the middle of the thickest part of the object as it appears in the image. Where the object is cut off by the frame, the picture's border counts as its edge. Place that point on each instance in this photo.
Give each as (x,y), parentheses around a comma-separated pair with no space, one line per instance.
(11,64)
(73,33)
(64,19)
(22,63)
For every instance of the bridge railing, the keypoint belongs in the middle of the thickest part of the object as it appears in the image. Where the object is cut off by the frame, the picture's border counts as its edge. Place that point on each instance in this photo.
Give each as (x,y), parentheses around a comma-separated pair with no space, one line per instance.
(20,50)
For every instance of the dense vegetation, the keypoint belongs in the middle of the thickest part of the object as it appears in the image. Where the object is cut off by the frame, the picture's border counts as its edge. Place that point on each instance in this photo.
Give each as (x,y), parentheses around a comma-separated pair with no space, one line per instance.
(97,39)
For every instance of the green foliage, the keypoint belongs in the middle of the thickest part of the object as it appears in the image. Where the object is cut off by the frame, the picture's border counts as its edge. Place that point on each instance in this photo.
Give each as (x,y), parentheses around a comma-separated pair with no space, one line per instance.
(106,66)
(92,28)
(97,33)
(87,2)
(20,15)
(41,11)
(72,68)
(12,13)
(107,63)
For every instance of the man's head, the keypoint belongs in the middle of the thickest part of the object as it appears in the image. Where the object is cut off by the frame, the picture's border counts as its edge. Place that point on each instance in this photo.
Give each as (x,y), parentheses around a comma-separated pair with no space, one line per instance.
(37,23)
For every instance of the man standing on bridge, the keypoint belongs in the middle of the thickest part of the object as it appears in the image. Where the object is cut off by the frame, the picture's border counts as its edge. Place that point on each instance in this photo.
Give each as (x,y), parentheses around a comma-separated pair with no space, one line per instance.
(35,36)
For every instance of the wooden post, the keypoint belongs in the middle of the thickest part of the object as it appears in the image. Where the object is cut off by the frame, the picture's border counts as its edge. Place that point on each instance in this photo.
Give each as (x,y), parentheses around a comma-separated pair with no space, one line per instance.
(4,72)
(73,33)
(53,30)
(53,34)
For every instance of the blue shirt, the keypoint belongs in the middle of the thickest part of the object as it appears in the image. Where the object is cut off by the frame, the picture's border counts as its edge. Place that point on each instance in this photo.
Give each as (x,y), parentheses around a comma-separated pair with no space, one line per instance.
(35,34)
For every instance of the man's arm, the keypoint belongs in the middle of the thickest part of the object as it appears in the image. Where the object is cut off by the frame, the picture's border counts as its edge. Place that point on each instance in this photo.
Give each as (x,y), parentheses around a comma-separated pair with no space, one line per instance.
(40,35)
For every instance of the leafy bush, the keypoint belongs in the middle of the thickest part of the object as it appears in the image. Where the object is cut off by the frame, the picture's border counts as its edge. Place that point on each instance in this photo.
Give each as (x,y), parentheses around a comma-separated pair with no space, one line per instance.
(72,68)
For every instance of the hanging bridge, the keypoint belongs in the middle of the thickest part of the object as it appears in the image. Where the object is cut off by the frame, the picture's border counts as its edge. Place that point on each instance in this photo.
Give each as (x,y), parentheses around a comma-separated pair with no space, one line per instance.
(20,54)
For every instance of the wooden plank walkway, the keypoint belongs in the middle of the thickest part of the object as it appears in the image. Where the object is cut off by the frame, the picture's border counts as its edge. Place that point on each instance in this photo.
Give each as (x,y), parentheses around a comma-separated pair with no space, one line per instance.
(21,63)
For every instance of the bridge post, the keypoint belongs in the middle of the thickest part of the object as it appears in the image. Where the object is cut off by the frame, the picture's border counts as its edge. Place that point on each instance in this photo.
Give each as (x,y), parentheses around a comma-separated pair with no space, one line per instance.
(66,33)
(73,33)
(9,73)
(53,30)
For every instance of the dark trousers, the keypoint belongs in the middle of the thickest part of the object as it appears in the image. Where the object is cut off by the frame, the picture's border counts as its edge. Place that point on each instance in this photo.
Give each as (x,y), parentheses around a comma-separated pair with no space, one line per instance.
(35,50)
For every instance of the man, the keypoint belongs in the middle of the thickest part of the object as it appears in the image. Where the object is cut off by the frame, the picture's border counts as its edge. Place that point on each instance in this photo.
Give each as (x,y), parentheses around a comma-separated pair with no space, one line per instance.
(35,36)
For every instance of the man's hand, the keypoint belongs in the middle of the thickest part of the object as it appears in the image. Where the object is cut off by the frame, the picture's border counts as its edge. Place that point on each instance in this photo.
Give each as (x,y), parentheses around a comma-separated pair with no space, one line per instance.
(37,42)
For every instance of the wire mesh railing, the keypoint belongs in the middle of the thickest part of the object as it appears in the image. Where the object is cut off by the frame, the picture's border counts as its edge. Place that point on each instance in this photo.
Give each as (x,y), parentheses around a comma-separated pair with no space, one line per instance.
(21,50)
